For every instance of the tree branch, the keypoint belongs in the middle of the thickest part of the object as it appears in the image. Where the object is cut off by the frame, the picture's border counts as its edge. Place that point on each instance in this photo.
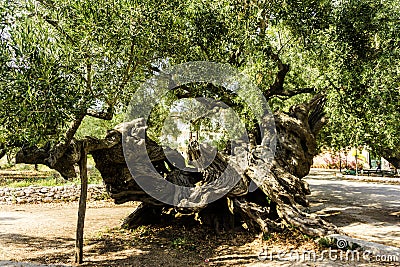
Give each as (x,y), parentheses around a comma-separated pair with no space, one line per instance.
(54,23)
(128,72)
(235,55)
(205,50)
(289,93)
(393,156)
(283,69)
(59,150)
(277,88)
(317,119)
(104,115)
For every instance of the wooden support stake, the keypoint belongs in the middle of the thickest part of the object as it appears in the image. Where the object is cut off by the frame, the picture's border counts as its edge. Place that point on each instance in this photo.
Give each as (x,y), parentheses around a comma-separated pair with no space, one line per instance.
(82,205)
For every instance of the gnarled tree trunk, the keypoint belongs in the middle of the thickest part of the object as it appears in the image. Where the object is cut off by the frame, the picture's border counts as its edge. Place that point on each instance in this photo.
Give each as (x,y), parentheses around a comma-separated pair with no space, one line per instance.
(278,202)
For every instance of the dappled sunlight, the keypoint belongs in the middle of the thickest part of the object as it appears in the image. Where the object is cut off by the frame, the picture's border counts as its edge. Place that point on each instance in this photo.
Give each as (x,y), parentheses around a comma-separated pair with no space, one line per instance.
(364,210)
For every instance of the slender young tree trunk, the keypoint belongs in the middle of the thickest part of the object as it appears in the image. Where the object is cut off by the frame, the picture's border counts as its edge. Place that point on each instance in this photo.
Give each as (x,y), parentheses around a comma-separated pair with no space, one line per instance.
(356,161)
(82,205)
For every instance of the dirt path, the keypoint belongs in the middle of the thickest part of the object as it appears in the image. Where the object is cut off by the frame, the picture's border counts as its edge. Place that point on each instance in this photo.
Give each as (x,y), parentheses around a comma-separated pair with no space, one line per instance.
(38,230)
(366,210)
(32,235)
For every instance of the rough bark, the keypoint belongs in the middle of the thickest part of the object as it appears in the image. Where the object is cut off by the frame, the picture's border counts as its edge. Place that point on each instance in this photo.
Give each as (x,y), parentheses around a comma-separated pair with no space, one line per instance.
(64,164)
(283,187)
(144,214)
(395,161)
(71,156)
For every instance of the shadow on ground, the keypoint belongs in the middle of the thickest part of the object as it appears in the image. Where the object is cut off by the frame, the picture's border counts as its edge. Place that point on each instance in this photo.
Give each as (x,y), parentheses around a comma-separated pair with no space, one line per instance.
(365,210)
(156,245)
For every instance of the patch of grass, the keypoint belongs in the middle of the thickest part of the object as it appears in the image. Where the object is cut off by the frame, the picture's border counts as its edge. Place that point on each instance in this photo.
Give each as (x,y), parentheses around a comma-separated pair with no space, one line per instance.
(178,242)
(94,176)
(326,242)
(266,236)
(183,243)
(26,175)
(143,230)
(48,181)
(52,180)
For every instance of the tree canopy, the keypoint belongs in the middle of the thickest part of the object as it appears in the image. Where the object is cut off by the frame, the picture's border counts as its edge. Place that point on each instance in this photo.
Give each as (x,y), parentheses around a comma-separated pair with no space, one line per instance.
(62,61)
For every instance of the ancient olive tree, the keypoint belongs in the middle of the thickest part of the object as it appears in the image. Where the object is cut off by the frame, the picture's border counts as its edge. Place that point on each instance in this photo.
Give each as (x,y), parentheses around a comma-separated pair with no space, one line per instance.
(62,62)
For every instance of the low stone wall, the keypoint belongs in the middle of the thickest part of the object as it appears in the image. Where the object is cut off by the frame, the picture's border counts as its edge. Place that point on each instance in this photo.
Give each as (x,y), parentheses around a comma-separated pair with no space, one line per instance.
(47,194)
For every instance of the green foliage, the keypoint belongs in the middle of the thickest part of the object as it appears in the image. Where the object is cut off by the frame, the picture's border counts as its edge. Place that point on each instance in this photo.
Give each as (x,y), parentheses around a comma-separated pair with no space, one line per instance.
(61,58)
(97,127)
(326,242)
(364,107)
(143,231)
